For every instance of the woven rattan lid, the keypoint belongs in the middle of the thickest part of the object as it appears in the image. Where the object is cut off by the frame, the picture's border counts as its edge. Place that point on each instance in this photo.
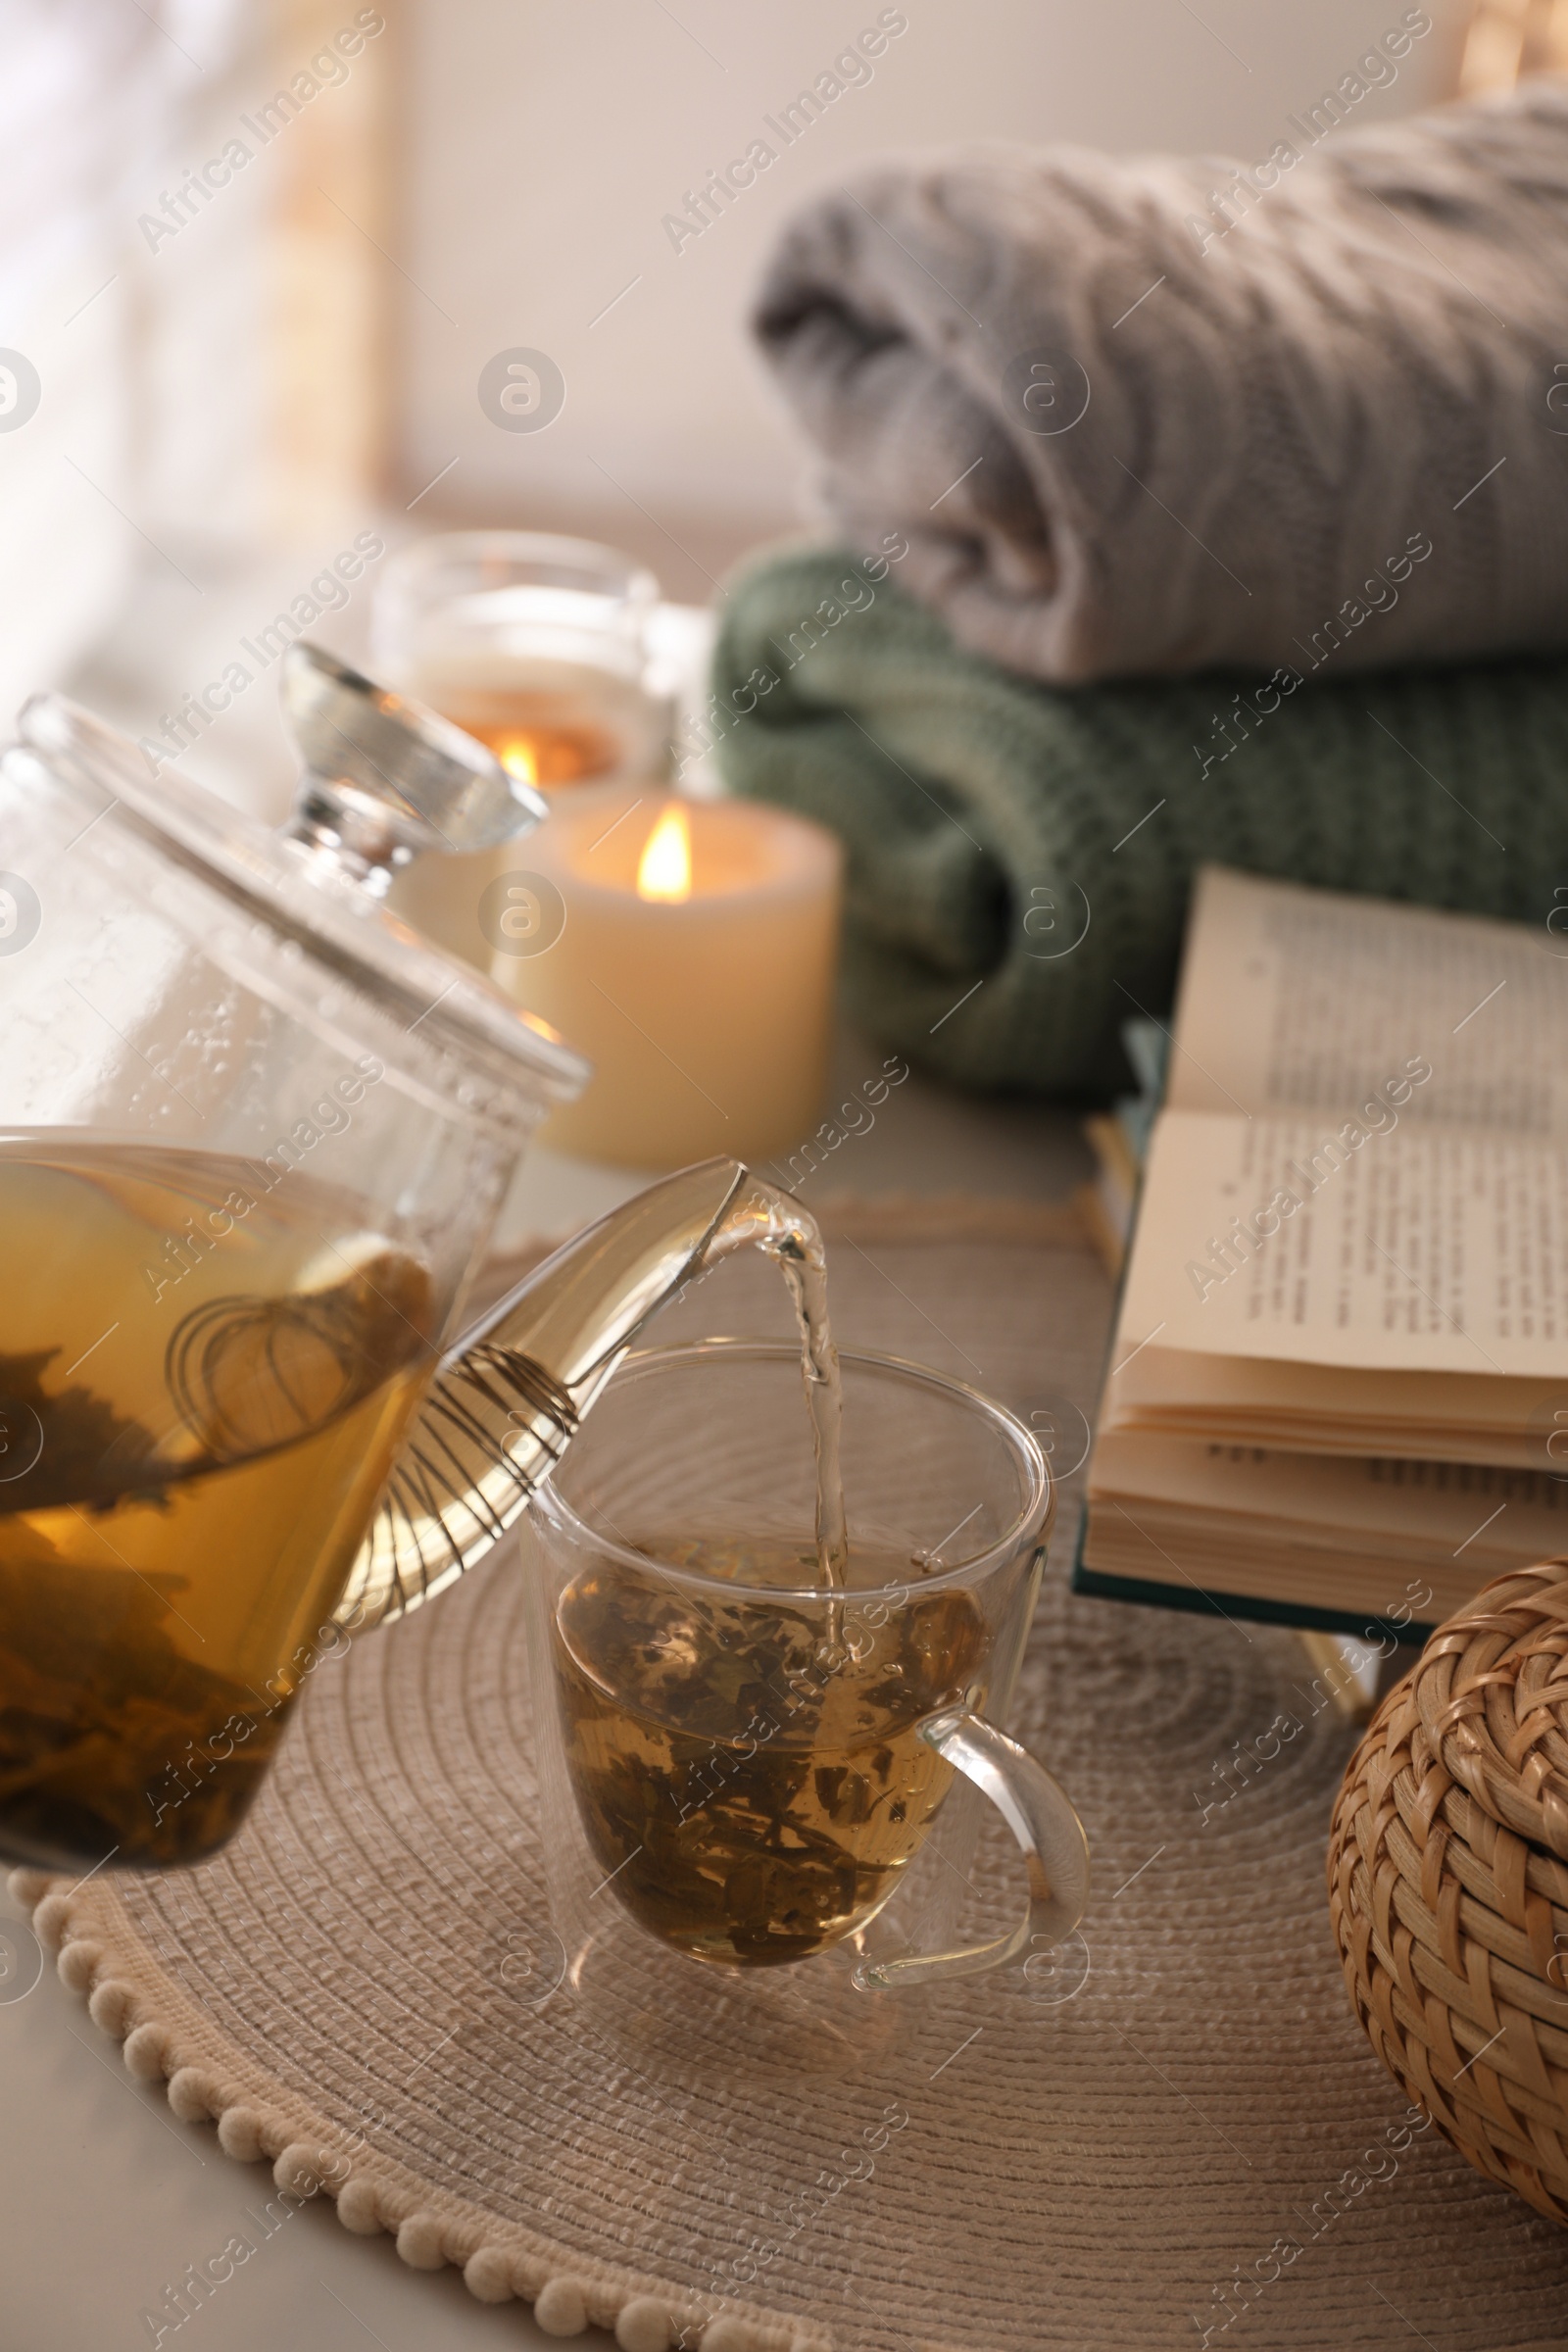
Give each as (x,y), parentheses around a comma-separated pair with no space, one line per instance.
(1493,1690)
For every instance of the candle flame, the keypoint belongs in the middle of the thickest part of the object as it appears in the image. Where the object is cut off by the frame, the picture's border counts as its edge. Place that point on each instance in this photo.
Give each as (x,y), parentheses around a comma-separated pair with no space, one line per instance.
(519,758)
(665,867)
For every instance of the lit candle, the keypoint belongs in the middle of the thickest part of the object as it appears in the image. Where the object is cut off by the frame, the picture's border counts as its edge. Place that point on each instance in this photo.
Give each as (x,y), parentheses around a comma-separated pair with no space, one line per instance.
(688,949)
(549,743)
(557,725)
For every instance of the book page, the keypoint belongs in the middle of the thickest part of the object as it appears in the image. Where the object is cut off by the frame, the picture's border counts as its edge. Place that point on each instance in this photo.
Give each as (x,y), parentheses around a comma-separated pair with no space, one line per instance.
(1518,1423)
(1311,1240)
(1397,1539)
(1318,1499)
(1309,999)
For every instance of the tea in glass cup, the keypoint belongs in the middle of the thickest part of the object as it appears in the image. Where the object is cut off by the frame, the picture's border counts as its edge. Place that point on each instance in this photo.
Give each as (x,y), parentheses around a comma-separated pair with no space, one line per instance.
(770,1837)
(747,1763)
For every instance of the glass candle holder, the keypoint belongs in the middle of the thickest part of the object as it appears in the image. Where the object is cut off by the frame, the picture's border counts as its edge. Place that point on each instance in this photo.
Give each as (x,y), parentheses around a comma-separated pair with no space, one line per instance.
(535,643)
(538,646)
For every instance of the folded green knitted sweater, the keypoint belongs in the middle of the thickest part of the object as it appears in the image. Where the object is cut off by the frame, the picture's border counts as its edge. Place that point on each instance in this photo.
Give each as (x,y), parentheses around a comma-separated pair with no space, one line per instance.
(1019,856)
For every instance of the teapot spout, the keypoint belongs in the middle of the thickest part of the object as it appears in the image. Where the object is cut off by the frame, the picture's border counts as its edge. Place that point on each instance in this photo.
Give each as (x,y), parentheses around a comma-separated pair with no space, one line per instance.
(508,1398)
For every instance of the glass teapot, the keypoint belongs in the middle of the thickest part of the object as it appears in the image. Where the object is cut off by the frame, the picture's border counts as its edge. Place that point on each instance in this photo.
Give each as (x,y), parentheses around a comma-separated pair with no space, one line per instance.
(254,1136)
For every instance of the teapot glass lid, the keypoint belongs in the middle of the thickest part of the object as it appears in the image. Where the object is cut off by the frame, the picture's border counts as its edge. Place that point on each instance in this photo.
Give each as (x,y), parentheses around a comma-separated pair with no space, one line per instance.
(384,779)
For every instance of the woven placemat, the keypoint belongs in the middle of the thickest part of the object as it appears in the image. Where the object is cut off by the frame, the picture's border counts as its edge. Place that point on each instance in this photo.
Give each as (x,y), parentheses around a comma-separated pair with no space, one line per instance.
(1173,2133)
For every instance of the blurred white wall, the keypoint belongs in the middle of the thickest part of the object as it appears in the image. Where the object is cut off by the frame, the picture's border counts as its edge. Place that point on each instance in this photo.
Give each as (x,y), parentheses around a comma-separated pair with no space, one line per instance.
(542,145)
(534,150)
(93,96)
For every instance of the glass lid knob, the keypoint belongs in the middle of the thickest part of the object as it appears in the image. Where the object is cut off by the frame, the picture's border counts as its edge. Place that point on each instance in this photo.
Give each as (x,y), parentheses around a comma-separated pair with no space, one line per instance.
(385,778)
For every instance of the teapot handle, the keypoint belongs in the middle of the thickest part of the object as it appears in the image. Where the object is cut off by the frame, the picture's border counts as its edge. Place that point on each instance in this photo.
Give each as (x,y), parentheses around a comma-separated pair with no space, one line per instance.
(1042,1817)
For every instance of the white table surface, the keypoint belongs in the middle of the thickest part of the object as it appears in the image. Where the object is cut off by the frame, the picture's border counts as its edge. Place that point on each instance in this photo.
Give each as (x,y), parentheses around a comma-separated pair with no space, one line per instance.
(104,2197)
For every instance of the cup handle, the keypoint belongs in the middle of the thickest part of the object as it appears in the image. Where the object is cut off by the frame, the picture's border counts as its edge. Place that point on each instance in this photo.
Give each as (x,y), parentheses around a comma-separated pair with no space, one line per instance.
(1041,1815)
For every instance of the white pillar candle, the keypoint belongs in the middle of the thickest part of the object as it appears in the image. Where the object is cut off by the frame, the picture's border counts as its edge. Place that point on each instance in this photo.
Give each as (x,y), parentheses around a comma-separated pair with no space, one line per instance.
(688,949)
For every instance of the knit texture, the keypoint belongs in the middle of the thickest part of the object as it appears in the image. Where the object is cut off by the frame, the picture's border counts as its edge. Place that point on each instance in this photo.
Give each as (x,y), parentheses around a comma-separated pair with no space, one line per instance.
(1019,858)
(1150,416)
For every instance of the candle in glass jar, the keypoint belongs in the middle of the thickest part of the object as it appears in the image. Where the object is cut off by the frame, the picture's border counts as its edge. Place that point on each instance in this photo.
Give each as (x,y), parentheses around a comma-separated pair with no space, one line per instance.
(540,647)
(552,724)
(688,948)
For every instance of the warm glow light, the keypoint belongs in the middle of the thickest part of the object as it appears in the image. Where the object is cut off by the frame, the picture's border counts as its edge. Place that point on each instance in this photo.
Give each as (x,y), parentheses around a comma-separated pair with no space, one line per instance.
(665,867)
(519,758)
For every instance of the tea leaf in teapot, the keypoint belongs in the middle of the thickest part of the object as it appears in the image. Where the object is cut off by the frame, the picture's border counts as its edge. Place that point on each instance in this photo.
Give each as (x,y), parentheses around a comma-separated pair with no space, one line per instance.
(83,1451)
(100,1710)
(164,1570)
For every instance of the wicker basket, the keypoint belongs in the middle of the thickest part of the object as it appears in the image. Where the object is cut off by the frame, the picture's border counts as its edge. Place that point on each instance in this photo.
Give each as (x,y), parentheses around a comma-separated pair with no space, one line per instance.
(1448,1882)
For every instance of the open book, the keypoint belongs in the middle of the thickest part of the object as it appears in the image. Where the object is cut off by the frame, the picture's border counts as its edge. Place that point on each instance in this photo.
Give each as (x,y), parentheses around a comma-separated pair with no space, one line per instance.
(1338,1387)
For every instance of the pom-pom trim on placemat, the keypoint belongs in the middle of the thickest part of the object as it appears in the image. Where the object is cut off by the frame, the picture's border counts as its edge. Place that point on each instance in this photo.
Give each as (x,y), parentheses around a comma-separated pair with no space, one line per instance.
(206,2079)
(1447,1873)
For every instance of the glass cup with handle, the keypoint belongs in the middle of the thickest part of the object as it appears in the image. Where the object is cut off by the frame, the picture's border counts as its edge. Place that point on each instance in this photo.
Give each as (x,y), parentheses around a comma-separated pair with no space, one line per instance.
(748,1768)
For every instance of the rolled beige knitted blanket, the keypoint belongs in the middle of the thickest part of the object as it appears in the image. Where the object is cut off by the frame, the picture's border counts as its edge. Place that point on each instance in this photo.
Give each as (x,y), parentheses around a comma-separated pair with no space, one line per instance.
(1157,415)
